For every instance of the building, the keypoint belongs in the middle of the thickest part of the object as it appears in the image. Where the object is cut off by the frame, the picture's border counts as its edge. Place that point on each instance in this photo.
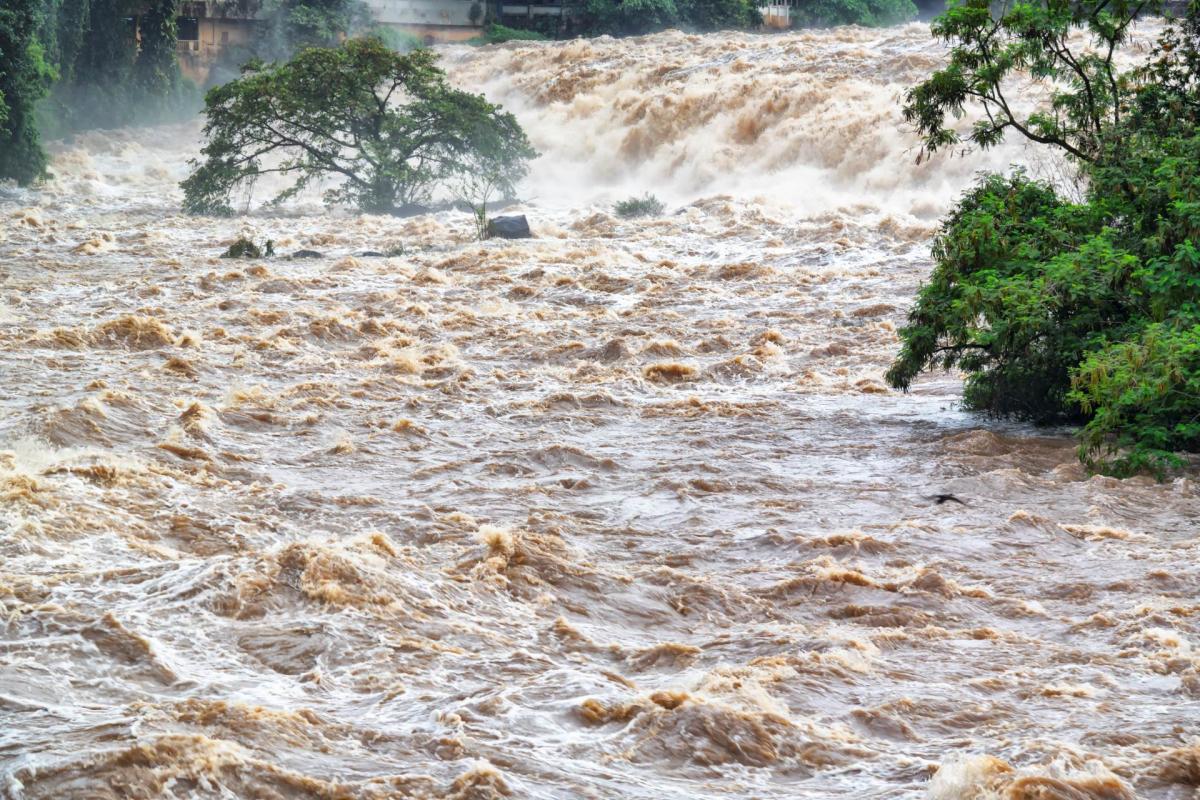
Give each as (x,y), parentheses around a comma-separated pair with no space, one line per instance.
(208,27)
(554,18)
(431,20)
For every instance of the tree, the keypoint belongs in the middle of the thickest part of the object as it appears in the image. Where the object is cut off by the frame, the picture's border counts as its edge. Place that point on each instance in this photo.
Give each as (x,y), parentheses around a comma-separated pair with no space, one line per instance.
(287,26)
(637,17)
(989,51)
(630,17)
(24,78)
(715,15)
(1086,310)
(872,13)
(97,94)
(385,124)
(156,71)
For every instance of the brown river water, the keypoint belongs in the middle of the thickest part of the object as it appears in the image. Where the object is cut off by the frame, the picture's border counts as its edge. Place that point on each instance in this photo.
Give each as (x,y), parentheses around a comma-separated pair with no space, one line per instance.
(623,511)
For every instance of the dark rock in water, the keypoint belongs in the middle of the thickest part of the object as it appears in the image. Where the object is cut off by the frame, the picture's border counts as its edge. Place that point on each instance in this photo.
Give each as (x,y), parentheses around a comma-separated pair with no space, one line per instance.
(307,254)
(509,228)
(615,350)
(410,210)
(371,254)
(277,286)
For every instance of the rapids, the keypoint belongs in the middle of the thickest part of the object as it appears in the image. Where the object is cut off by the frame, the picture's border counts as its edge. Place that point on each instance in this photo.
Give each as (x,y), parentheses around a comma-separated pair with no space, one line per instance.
(623,511)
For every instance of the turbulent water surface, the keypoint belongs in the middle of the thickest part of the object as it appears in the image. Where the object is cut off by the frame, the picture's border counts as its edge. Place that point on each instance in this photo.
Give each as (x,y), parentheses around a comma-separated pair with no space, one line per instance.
(624,511)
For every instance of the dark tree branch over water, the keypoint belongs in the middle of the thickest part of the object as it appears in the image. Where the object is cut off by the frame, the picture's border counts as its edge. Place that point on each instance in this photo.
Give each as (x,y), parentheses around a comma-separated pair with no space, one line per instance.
(992,51)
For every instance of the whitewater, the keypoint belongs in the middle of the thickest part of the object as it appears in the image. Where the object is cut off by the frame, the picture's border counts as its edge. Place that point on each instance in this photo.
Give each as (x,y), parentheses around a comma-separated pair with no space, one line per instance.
(622,511)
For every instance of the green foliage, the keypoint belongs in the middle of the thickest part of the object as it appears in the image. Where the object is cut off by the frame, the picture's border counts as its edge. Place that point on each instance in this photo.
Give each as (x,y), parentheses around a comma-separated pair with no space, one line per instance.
(715,15)
(284,27)
(645,206)
(156,76)
(98,95)
(386,124)
(637,17)
(287,26)
(1144,397)
(630,17)
(1023,282)
(106,77)
(1087,310)
(498,34)
(872,13)
(246,248)
(988,51)
(24,77)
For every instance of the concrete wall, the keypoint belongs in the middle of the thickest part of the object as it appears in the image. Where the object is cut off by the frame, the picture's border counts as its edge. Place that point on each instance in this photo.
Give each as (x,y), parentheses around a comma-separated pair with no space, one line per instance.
(429,13)
(196,58)
(225,24)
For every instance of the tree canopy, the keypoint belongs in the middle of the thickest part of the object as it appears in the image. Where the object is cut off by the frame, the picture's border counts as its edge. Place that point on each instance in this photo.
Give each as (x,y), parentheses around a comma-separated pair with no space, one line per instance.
(636,17)
(24,79)
(386,126)
(991,50)
(872,13)
(1058,309)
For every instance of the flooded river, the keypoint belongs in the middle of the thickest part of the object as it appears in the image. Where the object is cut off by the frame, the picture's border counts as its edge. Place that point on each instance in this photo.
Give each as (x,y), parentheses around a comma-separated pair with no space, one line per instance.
(624,511)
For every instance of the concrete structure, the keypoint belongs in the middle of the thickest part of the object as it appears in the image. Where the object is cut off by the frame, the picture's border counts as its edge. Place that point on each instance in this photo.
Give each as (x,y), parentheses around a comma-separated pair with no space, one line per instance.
(432,20)
(207,27)
(556,18)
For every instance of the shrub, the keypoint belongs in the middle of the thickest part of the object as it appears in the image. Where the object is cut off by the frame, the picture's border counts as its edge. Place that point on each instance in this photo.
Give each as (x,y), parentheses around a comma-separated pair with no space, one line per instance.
(872,13)
(498,34)
(630,17)
(246,248)
(637,17)
(645,206)
(714,15)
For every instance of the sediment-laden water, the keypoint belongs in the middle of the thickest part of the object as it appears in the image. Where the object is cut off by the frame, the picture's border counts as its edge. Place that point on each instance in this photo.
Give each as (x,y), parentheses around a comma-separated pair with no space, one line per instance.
(624,511)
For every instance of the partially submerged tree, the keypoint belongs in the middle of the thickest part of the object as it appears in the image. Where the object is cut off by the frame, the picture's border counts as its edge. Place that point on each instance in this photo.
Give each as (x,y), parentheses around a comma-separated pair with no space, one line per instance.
(1086,310)
(387,126)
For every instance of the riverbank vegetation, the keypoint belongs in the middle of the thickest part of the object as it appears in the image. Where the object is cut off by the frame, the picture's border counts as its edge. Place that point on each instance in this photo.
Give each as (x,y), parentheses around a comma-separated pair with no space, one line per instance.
(1070,308)
(637,17)
(640,17)
(72,65)
(385,125)
(67,65)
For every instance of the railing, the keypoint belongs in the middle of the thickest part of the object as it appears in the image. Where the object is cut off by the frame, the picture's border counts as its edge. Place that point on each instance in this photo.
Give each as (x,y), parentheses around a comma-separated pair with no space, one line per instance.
(776,13)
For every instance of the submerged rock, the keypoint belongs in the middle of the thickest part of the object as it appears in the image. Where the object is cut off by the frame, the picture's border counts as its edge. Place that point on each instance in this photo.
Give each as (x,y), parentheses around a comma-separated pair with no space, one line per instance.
(509,228)
(307,254)
(409,210)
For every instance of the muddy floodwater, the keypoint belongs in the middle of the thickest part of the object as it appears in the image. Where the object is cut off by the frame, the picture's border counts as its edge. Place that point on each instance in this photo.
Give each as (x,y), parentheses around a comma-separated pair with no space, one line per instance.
(623,511)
